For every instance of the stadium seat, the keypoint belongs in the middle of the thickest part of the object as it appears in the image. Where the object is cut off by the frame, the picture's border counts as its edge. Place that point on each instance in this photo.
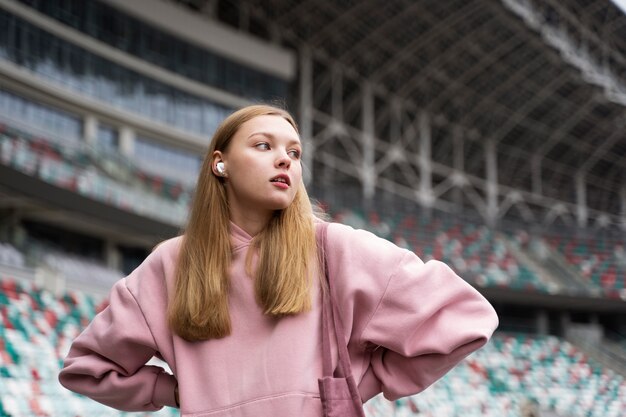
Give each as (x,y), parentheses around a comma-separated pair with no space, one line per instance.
(75,169)
(599,259)
(475,252)
(495,381)
(36,331)
(517,369)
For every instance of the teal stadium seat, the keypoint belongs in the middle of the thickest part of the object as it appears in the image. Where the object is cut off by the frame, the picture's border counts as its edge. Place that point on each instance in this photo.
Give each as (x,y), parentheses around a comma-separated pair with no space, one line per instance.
(601,260)
(474,251)
(36,331)
(516,369)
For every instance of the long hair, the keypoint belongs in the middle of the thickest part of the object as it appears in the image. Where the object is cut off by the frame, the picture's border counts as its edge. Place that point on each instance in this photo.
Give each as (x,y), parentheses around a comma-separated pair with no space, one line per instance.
(198,309)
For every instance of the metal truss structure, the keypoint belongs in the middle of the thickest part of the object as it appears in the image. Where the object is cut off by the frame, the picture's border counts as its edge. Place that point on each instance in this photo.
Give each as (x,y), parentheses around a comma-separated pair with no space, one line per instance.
(511,107)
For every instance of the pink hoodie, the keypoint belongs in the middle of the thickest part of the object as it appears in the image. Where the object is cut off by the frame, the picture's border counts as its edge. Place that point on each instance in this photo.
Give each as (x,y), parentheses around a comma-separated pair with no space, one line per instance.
(407,323)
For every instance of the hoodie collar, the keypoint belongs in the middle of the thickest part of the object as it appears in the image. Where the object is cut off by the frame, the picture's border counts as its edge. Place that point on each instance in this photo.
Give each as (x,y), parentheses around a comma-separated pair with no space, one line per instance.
(239,237)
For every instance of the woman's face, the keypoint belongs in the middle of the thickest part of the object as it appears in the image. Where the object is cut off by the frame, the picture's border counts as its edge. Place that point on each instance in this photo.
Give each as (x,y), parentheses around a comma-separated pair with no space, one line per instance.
(262,165)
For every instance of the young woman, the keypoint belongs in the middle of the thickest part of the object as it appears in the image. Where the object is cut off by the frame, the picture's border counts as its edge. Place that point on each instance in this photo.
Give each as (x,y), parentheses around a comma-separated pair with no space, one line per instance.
(234,307)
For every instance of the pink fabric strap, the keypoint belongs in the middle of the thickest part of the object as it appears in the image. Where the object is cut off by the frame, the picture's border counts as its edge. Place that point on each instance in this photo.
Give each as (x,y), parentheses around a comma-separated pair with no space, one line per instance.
(330,312)
(339,393)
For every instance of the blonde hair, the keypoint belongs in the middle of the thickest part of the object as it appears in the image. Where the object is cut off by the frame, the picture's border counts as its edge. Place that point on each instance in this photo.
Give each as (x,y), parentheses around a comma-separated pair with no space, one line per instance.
(198,309)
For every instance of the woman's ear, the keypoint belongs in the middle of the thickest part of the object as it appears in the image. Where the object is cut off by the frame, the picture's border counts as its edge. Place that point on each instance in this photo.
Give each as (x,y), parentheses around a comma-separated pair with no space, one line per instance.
(218,166)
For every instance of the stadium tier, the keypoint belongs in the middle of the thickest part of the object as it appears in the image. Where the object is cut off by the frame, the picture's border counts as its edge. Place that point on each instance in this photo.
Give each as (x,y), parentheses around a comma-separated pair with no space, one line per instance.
(508,113)
(36,330)
(480,255)
(600,261)
(491,258)
(95,174)
(511,372)
(10,256)
(53,263)
(75,268)
(484,257)
(518,373)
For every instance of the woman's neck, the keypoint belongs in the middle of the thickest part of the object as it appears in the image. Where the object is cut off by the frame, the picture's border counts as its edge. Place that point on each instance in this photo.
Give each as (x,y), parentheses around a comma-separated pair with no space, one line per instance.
(251,223)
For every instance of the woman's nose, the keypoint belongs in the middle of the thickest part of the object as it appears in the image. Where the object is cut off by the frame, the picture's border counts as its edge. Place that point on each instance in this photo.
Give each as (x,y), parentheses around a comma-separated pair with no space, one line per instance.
(283,160)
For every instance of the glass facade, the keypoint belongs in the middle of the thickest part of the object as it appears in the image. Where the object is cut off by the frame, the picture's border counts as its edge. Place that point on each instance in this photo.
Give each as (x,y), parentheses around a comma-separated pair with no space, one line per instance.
(66,128)
(166,160)
(62,125)
(146,42)
(74,68)
(107,138)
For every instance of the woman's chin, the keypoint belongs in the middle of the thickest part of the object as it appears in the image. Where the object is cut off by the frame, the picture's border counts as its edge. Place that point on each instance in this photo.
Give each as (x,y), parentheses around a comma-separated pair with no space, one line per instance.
(279,204)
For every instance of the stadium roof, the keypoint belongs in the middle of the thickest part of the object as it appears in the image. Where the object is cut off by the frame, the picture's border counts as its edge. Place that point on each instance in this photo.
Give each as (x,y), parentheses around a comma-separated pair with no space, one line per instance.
(545,80)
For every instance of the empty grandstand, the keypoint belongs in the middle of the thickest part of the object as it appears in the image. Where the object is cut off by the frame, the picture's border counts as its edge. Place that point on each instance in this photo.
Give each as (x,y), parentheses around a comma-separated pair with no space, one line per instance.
(488,134)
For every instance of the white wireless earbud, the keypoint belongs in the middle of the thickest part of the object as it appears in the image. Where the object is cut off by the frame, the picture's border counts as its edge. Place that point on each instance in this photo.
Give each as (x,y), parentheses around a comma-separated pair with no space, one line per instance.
(220,168)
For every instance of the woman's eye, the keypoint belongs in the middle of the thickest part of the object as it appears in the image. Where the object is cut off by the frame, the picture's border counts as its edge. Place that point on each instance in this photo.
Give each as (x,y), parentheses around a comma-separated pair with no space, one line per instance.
(263,145)
(295,154)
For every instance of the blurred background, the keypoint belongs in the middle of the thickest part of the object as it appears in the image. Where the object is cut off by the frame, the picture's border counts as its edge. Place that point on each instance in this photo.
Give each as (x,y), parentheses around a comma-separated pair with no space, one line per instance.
(489,134)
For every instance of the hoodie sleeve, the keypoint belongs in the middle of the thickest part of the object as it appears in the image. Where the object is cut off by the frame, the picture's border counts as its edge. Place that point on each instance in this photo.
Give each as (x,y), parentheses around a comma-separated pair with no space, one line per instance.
(427,321)
(107,361)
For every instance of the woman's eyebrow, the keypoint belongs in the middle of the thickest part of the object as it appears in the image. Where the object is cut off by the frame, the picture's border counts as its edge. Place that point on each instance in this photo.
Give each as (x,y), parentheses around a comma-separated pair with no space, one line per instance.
(269,135)
(273,137)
